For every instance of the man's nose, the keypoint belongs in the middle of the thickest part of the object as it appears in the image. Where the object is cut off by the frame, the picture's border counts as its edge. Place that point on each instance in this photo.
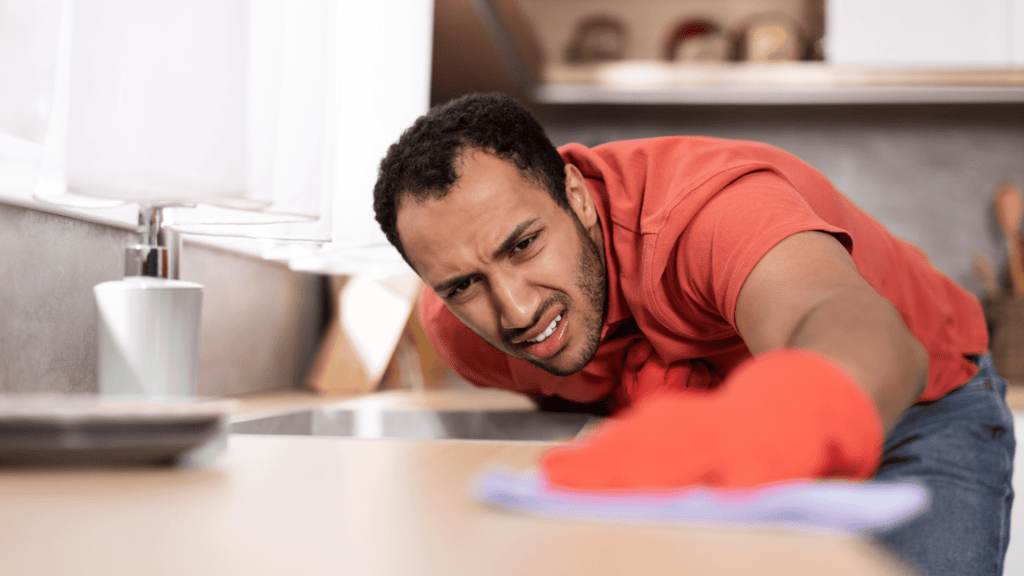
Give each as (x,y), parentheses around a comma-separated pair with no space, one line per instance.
(517,301)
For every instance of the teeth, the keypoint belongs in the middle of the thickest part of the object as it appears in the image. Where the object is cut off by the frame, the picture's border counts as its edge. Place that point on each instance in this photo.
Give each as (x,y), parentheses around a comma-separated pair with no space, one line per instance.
(547,332)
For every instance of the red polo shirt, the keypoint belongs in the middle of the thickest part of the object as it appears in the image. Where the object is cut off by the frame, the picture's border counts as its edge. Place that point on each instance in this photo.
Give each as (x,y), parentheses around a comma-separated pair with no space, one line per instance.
(685,220)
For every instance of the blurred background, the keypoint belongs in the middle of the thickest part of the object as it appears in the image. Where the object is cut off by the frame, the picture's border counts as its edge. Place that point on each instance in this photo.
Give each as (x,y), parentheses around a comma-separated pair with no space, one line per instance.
(914,109)
(271,117)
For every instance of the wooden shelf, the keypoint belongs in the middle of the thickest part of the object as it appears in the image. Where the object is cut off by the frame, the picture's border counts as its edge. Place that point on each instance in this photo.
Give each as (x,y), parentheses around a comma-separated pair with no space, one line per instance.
(798,83)
(507,38)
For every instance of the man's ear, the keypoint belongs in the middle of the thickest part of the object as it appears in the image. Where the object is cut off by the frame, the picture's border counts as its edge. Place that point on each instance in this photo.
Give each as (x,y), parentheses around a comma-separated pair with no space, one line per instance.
(579,196)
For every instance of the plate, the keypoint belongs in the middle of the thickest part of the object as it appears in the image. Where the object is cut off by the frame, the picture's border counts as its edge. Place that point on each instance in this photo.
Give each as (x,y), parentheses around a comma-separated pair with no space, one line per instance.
(50,430)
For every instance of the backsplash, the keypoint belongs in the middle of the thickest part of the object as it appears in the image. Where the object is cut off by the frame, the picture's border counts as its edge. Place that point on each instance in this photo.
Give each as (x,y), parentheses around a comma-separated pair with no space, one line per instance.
(261,321)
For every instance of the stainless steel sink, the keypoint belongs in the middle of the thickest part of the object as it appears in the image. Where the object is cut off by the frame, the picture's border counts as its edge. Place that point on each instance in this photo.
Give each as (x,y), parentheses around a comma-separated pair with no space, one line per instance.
(418,424)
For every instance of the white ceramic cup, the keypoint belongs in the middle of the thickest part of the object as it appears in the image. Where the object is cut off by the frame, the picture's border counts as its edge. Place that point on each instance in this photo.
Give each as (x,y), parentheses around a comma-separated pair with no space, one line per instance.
(148,335)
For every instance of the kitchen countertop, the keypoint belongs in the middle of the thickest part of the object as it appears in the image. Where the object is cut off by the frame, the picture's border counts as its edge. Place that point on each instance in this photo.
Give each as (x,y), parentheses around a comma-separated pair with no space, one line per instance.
(440,399)
(430,399)
(272,505)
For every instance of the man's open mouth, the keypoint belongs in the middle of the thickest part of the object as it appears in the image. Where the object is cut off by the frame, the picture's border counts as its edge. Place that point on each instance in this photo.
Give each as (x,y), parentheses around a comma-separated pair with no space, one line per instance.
(549,341)
(547,332)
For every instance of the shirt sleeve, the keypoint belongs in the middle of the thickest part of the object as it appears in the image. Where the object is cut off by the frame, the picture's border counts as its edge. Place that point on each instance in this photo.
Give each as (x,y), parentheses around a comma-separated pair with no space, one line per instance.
(729,235)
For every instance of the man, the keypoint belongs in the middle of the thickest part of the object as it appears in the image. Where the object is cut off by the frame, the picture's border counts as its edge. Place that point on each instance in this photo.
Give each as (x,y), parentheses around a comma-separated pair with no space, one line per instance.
(750,324)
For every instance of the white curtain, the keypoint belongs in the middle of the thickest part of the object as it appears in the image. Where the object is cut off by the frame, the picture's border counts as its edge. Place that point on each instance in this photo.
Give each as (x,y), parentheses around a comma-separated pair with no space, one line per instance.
(29,35)
(270,116)
(384,61)
(293,126)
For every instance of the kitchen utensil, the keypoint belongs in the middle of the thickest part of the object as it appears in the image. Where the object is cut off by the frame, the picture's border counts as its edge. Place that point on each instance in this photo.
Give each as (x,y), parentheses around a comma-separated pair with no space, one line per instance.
(1008,203)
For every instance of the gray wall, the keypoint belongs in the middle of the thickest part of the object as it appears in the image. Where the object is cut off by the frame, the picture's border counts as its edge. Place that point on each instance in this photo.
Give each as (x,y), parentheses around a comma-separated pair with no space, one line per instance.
(926,172)
(261,321)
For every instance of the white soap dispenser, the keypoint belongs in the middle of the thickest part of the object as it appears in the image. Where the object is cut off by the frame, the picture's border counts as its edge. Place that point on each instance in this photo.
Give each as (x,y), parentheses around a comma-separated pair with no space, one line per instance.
(149,322)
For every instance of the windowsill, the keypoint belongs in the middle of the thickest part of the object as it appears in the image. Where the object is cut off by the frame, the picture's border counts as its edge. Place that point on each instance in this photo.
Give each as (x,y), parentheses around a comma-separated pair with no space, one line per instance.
(18,174)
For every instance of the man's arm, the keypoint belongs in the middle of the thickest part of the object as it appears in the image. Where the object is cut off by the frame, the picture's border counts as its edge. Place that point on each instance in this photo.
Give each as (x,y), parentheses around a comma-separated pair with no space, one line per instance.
(834,368)
(806,293)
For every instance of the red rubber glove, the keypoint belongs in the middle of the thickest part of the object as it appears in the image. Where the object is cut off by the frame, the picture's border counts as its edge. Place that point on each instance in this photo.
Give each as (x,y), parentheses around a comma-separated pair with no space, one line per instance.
(782,415)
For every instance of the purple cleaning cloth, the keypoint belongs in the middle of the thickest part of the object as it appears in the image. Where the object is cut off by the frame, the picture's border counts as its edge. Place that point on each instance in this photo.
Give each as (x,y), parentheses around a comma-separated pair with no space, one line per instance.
(845,506)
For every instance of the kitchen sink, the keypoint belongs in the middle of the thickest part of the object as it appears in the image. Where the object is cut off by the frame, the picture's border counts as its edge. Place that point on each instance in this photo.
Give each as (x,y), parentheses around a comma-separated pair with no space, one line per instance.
(419,424)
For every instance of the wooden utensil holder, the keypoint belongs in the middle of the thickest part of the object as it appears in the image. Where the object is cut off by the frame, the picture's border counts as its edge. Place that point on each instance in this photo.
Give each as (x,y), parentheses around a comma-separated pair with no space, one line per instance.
(1005,320)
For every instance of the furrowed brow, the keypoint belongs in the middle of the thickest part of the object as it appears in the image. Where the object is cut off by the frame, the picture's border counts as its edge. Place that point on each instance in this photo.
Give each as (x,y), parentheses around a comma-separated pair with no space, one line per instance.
(504,246)
(512,238)
(446,285)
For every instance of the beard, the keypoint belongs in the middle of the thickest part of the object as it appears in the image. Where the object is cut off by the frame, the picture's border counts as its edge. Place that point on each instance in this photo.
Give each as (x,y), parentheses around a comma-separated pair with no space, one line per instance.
(592,281)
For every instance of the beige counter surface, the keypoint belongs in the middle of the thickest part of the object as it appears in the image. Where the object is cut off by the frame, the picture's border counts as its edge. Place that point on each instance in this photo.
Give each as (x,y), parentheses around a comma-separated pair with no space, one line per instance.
(431,399)
(439,399)
(273,505)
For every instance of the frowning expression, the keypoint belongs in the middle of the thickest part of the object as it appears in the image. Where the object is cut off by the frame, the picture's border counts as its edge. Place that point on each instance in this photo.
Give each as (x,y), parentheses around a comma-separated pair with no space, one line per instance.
(522,272)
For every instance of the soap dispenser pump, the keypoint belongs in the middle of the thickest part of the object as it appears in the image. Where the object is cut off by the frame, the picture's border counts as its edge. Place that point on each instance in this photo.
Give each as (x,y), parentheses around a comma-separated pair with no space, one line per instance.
(149,321)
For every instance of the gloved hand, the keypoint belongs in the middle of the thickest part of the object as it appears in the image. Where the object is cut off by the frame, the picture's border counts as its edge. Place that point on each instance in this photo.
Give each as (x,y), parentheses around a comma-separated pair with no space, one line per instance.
(782,415)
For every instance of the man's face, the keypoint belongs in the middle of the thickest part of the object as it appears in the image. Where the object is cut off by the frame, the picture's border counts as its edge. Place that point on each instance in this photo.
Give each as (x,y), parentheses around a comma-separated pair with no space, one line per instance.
(520,271)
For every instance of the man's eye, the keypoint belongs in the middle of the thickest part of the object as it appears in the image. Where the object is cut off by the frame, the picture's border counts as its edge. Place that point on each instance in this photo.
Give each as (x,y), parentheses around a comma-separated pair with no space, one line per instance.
(465,284)
(523,245)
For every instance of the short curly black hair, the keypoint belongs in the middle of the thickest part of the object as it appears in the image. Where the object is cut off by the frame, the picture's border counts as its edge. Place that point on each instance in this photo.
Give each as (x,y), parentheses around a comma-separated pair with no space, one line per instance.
(423,163)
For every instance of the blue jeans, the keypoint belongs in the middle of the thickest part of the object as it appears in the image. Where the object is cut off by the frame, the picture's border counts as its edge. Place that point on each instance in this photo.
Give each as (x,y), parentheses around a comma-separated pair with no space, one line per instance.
(961,448)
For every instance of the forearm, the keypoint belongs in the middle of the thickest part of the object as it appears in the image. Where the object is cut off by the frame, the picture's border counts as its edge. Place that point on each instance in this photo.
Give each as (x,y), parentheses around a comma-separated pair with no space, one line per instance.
(864,334)
(834,368)
(807,293)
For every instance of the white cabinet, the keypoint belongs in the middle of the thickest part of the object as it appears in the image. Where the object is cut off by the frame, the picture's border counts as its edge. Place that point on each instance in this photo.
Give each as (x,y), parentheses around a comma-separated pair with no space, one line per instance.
(925,33)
